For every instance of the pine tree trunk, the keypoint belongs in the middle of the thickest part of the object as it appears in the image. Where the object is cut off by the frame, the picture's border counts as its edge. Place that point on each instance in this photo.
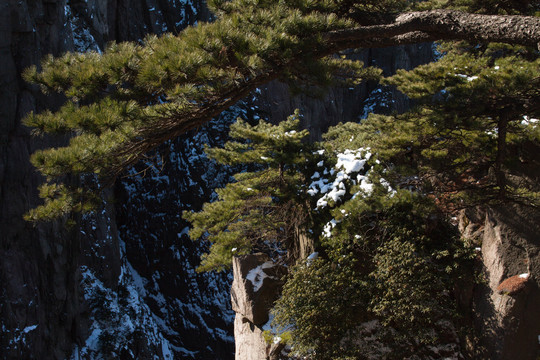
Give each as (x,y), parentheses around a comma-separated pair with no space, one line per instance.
(499,160)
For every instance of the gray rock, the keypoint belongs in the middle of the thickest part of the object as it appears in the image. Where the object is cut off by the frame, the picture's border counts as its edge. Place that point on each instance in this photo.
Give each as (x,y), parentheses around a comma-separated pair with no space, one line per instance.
(250,343)
(507,306)
(256,286)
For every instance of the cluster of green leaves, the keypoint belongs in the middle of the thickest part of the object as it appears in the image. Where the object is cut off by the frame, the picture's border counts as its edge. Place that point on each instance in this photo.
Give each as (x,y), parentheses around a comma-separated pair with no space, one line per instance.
(321,303)
(476,113)
(391,257)
(124,102)
(262,208)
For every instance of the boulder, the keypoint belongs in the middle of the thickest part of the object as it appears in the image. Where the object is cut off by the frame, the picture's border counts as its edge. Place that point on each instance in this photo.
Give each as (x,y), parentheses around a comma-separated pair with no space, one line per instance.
(256,286)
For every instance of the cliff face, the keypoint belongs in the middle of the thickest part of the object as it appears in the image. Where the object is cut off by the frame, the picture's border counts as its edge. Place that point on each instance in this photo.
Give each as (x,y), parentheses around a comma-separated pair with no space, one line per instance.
(505,316)
(39,296)
(97,292)
(348,104)
(124,283)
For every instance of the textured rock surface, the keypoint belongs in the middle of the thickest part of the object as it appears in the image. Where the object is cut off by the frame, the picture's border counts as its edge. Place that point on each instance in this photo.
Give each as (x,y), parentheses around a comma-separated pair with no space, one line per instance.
(39,296)
(250,343)
(256,285)
(347,104)
(508,324)
(78,292)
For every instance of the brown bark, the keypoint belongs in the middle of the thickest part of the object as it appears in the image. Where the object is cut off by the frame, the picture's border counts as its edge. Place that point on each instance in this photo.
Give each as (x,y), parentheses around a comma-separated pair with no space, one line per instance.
(500,176)
(442,25)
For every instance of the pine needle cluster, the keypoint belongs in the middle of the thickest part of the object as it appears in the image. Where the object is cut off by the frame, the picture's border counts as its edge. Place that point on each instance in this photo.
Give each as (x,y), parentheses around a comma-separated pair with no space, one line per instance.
(262,209)
(126,101)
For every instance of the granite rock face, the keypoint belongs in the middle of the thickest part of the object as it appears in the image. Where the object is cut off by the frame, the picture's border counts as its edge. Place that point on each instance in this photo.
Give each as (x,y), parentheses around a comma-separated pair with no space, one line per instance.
(347,104)
(39,298)
(507,306)
(91,292)
(256,286)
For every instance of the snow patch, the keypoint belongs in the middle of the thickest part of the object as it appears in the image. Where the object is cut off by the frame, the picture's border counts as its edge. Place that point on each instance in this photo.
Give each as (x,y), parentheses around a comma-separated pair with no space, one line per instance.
(257,275)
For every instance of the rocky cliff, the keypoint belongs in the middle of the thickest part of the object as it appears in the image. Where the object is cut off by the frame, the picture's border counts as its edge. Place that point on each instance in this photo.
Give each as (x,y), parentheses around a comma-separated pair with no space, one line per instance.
(123,285)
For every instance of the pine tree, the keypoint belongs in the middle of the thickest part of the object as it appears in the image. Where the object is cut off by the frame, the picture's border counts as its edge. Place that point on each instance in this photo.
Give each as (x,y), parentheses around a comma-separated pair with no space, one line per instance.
(468,137)
(387,257)
(125,102)
(262,209)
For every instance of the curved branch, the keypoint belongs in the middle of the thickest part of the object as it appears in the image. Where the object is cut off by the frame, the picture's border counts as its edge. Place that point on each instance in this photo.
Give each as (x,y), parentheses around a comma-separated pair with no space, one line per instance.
(407,28)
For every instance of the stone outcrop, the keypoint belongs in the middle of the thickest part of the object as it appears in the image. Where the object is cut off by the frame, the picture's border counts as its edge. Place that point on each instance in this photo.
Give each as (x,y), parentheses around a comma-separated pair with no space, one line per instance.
(256,286)
(507,304)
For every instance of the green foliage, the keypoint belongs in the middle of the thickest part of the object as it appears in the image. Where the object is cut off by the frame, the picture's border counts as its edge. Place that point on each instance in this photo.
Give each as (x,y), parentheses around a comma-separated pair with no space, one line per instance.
(132,97)
(393,258)
(321,302)
(473,109)
(262,208)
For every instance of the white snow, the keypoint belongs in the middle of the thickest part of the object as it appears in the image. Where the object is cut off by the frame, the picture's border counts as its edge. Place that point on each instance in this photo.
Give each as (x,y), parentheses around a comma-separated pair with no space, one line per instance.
(348,162)
(529,121)
(166,351)
(311,257)
(327,230)
(469,78)
(29,328)
(257,275)
(352,160)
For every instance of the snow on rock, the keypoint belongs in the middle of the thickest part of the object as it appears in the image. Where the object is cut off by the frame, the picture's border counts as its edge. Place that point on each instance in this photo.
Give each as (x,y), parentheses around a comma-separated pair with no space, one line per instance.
(257,275)
(29,328)
(255,287)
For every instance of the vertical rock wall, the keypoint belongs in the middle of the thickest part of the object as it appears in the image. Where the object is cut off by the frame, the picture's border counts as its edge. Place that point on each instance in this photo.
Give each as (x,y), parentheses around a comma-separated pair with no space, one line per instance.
(38,266)
(348,104)
(506,321)
(78,292)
